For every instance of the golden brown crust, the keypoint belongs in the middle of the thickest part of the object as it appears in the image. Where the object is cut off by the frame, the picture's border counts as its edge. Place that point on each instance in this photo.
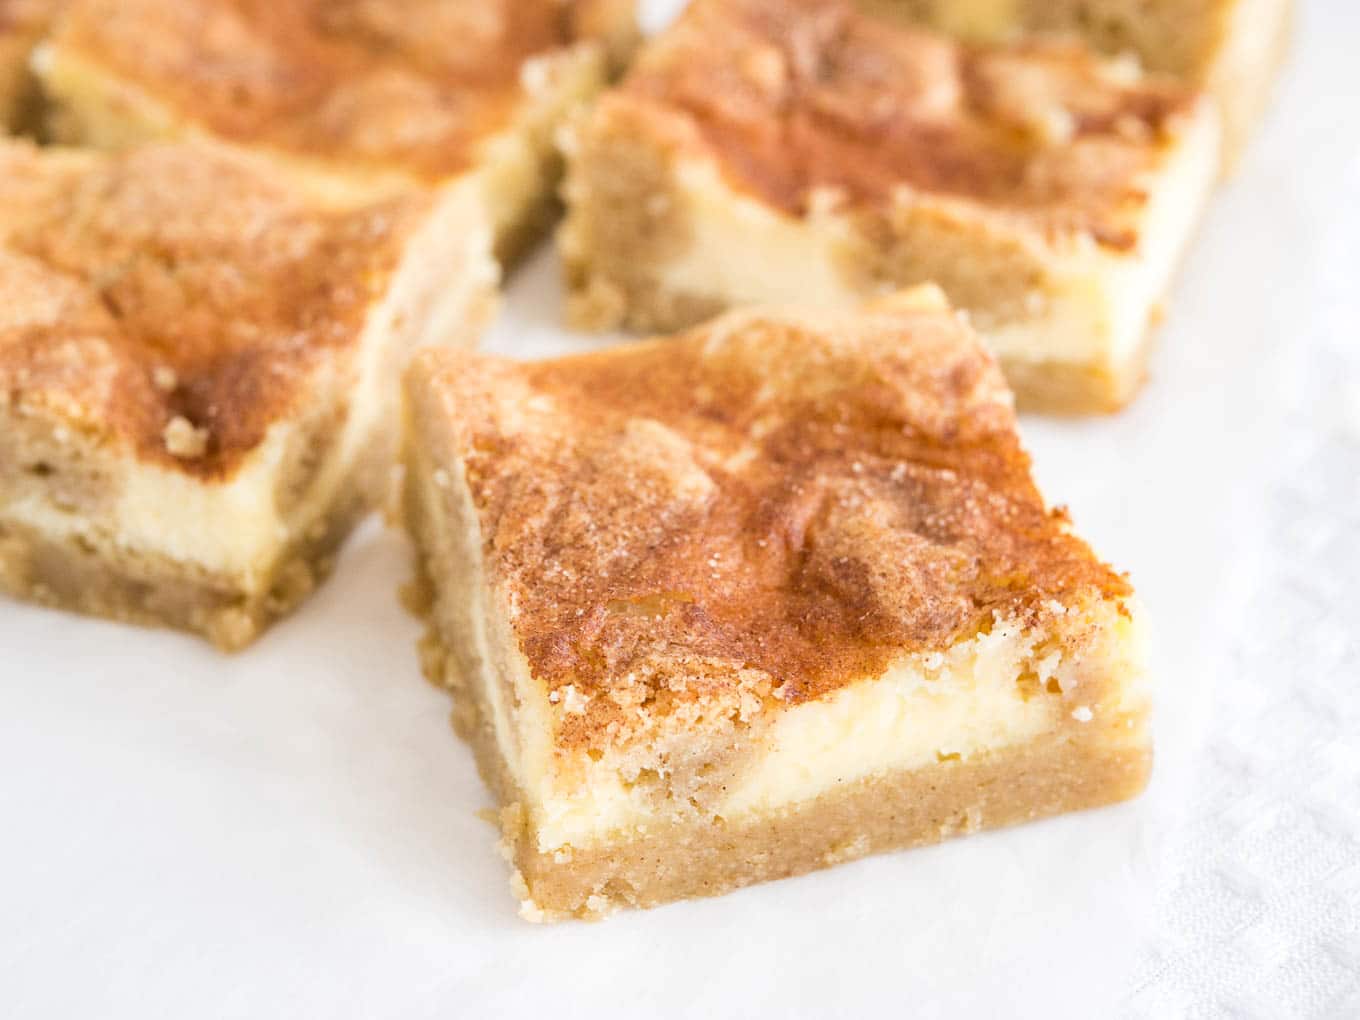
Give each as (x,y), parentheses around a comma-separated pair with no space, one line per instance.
(417,85)
(793,98)
(770,506)
(174,300)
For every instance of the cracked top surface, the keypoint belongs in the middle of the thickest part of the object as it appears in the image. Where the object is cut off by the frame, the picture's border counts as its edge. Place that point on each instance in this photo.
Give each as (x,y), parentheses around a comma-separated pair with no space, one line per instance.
(417,83)
(173,283)
(793,97)
(771,506)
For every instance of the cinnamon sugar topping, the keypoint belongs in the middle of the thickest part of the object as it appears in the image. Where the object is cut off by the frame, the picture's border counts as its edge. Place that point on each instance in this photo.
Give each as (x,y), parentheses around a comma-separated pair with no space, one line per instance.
(769,507)
(417,84)
(175,299)
(793,97)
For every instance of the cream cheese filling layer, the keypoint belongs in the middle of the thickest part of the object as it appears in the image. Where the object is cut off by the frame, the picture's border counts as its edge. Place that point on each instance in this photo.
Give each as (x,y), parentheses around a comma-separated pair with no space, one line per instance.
(1095,309)
(743,251)
(165,512)
(230,528)
(1000,690)
(1103,304)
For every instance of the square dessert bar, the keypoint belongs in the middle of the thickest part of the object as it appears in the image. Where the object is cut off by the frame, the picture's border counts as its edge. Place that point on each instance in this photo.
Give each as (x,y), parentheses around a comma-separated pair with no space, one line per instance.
(802,151)
(772,595)
(22,23)
(358,98)
(1232,48)
(199,372)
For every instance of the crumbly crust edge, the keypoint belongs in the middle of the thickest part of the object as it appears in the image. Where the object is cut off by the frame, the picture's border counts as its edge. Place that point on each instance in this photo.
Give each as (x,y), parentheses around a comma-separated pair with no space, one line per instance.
(1069,769)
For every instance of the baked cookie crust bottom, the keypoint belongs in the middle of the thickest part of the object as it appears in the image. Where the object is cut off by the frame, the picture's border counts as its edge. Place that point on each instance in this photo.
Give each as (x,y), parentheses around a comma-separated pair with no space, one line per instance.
(154,590)
(1071,769)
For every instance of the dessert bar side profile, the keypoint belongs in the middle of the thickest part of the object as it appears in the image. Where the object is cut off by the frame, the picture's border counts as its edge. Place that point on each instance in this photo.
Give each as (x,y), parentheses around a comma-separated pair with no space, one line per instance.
(803,151)
(768,596)
(198,377)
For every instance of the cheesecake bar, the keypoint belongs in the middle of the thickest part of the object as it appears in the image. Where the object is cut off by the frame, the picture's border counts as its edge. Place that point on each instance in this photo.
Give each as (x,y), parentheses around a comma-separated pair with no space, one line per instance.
(802,151)
(358,98)
(772,595)
(1232,48)
(22,23)
(199,373)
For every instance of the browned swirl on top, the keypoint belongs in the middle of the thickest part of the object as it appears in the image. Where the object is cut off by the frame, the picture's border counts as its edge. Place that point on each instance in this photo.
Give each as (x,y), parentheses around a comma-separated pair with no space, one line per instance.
(417,83)
(793,96)
(173,282)
(771,506)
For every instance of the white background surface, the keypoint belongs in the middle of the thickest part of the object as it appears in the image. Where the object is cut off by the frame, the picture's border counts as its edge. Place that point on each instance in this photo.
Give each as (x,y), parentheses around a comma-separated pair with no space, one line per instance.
(292,832)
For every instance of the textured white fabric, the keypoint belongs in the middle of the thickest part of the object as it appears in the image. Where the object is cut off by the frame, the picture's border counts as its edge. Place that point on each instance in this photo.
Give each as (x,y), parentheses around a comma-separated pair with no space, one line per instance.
(292,832)
(1259,902)
(1258,879)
